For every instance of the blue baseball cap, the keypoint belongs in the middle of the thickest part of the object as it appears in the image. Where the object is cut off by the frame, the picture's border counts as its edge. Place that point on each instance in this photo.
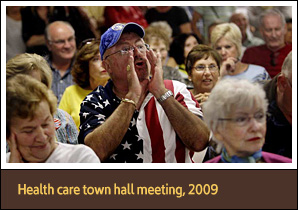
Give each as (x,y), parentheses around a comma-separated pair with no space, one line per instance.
(112,35)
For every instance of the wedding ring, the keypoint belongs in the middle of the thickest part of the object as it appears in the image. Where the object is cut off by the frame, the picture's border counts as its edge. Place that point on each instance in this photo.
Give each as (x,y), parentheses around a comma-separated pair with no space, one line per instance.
(128,67)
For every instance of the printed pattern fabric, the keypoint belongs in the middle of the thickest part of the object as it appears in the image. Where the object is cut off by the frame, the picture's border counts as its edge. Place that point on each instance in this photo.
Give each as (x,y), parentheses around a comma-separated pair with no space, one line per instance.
(150,136)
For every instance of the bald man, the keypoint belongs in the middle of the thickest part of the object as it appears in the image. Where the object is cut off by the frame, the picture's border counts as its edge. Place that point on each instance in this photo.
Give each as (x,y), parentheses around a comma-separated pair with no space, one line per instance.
(61,42)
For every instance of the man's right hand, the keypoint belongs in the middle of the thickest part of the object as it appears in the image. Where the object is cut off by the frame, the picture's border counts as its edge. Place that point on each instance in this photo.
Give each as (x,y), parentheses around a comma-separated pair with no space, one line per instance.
(136,89)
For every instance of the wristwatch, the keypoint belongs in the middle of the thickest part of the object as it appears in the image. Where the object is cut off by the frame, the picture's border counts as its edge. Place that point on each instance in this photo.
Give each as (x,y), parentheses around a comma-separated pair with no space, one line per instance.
(165,96)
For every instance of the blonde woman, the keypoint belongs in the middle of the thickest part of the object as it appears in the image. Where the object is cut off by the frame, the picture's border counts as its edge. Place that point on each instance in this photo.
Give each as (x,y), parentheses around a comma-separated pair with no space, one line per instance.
(30,127)
(36,66)
(226,39)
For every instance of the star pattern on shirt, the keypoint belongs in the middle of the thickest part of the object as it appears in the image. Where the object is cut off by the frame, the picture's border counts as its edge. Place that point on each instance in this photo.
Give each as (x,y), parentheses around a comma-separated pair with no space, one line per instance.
(139,138)
(88,97)
(98,105)
(133,122)
(106,103)
(96,108)
(85,114)
(140,155)
(126,145)
(100,117)
(113,156)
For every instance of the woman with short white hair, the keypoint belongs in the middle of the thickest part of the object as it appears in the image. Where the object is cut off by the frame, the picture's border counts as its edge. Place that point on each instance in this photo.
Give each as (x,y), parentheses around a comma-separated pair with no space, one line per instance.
(236,114)
(226,39)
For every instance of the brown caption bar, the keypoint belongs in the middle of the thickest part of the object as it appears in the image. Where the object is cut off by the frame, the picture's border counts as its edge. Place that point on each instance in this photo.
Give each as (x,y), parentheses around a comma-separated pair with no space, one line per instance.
(139,189)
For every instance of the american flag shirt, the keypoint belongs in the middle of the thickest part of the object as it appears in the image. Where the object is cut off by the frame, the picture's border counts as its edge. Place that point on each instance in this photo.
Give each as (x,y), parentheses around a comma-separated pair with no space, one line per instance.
(150,136)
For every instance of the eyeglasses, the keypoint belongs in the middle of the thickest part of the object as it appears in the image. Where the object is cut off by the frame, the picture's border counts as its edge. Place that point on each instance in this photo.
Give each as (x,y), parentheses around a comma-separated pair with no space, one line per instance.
(202,68)
(61,42)
(125,50)
(244,120)
(88,41)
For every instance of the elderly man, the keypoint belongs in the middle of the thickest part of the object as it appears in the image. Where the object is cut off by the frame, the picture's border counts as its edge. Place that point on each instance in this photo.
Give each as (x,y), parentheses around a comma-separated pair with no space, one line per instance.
(248,39)
(279,121)
(60,40)
(138,117)
(272,54)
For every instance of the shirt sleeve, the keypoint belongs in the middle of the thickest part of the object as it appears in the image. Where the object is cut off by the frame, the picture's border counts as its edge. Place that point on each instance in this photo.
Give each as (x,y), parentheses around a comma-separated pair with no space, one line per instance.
(91,114)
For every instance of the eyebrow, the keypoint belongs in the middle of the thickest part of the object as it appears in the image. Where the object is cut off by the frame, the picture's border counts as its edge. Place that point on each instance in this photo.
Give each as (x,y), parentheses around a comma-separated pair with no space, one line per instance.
(32,127)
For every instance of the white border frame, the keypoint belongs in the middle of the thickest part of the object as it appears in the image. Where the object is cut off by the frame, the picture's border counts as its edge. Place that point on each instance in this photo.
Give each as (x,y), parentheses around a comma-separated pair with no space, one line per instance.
(5,165)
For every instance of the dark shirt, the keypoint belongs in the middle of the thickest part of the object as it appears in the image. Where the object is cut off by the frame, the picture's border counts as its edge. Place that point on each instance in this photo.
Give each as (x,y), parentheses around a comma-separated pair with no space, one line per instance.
(175,17)
(279,130)
(95,109)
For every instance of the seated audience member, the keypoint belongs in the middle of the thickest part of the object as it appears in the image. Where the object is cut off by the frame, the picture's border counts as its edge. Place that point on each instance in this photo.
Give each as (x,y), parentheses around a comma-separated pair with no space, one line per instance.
(96,16)
(176,17)
(210,29)
(60,39)
(179,49)
(87,73)
(160,43)
(34,21)
(272,54)
(226,40)
(78,18)
(202,66)
(207,15)
(30,132)
(254,12)
(288,36)
(279,121)
(248,39)
(235,112)
(14,41)
(36,66)
(124,14)
(164,28)
(135,117)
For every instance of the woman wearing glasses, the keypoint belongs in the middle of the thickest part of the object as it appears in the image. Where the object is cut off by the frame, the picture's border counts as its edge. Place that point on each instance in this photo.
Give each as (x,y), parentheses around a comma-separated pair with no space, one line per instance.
(236,114)
(226,39)
(202,66)
(87,73)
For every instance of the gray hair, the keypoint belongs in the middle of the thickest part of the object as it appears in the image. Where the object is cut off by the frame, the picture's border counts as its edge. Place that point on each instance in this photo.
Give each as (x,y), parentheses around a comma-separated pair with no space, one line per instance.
(286,68)
(273,12)
(230,94)
(231,32)
(47,31)
(164,26)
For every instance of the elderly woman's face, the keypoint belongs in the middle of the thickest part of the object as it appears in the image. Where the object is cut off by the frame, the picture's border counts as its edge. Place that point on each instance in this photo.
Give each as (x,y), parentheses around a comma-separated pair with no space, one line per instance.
(35,137)
(159,46)
(226,49)
(245,134)
(204,80)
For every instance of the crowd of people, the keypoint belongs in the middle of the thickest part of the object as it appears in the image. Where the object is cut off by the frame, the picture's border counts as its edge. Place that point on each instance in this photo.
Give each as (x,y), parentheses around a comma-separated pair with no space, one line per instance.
(164,84)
